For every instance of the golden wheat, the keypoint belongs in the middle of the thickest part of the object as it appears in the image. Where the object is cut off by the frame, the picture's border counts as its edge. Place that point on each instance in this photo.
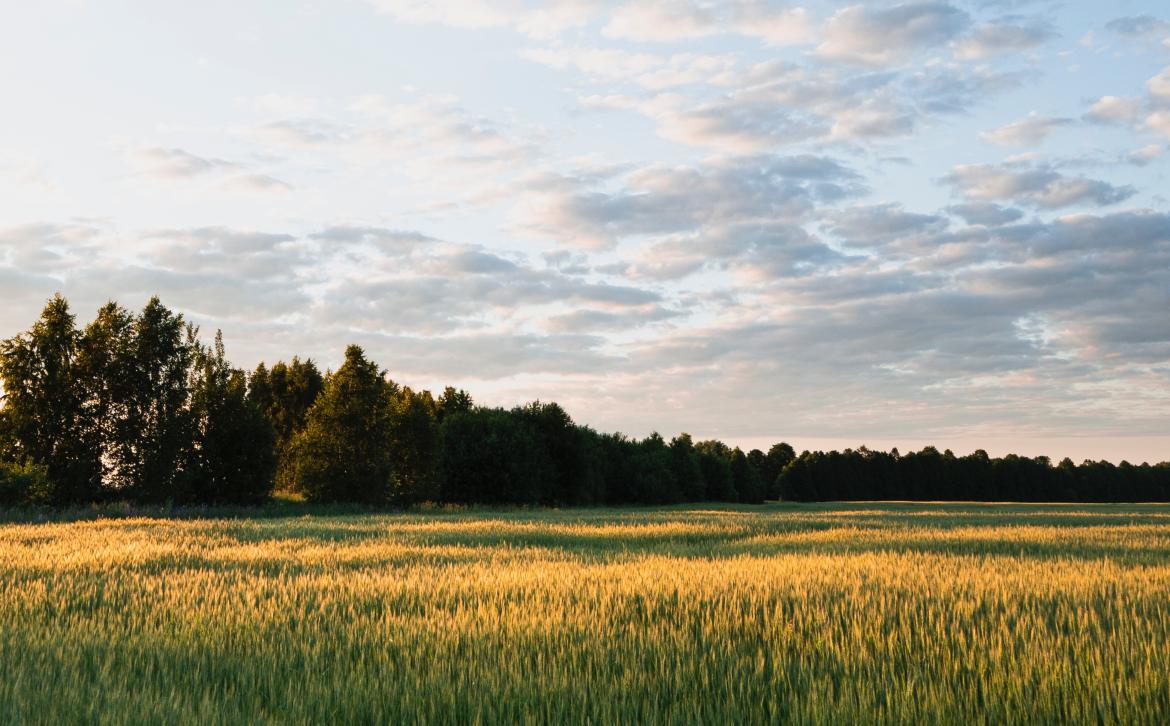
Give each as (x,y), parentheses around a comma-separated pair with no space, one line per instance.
(848,614)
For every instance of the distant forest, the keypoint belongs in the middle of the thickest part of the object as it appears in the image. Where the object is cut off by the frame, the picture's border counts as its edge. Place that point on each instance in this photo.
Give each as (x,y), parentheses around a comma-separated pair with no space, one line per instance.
(135,407)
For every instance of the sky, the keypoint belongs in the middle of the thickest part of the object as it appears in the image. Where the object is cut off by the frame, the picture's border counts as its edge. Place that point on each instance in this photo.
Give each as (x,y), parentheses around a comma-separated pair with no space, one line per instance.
(834,224)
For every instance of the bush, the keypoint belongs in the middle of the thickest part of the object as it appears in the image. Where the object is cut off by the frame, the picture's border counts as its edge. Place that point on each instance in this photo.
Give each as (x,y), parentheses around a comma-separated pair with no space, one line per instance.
(22,484)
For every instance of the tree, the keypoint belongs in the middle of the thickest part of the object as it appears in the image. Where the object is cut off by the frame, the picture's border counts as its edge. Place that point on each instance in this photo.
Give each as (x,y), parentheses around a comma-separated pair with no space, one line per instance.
(413,443)
(45,417)
(715,463)
(746,478)
(233,457)
(284,394)
(106,368)
(146,371)
(343,454)
(452,401)
(561,441)
(778,457)
(684,462)
(491,456)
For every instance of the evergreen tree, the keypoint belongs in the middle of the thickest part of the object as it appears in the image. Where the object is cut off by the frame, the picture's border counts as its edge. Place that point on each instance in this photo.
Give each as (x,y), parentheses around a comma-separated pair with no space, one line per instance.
(452,401)
(343,454)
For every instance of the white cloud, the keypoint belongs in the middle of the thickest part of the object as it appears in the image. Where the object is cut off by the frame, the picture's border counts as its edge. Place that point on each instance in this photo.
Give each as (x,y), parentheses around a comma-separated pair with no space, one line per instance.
(1114,109)
(179,164)
(1033,185)
(1159,86)
(1003,36)
(1028,131)
(667,21)
(881,36)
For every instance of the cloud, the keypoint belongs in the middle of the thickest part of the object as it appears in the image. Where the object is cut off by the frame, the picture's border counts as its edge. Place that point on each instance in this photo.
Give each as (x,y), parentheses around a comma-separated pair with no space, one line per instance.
(665,21)
(1114,109)
(880,224)
(1036,186)
(882,36)
(1138,26)
(986,214)
(587,320)
(1007,35)
(1159,87)
(1145,155)
(257,183)
(1028,131)
(179,164)
(664,200)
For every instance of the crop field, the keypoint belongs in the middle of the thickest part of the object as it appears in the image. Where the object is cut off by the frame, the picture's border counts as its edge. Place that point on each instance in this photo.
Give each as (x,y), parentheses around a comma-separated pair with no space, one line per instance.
(847,613)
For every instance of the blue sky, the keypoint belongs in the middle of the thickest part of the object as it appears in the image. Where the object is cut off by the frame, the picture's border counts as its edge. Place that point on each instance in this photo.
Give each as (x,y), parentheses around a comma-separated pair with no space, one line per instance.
(829,223)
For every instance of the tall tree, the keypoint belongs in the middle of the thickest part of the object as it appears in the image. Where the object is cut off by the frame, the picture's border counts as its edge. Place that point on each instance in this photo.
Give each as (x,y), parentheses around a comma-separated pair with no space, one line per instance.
(413,444)
(561,441)
(715,463)
(152,447)
(45,405)
(285,394)
(748,485)
(685,463)
(106,367)
(343,453)
(452,401)
(233,457)
(778,457)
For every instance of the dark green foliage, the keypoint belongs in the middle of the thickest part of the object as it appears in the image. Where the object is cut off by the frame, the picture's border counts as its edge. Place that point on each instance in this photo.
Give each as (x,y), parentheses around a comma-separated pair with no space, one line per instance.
(654,473)
(46,421)
(284,394)
(233,457)
(413,442)
(745,477)
(135,407)
(452,401)
(9,447)
(715,464)
(150,449)
(342,454)
(491,456)
(778,457)
(930,475)
(23,484)
(570,480)
(684,462)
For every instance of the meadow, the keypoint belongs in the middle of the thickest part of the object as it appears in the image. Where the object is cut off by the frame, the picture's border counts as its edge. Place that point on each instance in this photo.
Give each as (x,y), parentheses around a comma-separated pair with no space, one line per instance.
(843,613)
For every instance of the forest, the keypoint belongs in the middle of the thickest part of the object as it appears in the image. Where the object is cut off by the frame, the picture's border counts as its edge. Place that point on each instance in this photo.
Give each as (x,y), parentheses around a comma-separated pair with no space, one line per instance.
(135,407)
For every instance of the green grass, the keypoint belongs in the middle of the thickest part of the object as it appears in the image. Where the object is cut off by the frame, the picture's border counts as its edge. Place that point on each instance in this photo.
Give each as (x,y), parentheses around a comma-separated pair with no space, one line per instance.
(845,613)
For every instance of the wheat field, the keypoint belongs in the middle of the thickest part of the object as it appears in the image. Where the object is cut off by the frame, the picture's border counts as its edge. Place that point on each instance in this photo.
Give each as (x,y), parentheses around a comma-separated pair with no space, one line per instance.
(849,613)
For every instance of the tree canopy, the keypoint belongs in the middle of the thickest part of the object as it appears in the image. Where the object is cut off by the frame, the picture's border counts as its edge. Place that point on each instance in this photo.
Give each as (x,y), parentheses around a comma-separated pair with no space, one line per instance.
(134,406)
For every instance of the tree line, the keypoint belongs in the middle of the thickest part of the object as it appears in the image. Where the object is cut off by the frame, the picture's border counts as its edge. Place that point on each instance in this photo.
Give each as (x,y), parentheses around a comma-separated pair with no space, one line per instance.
(134,406)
